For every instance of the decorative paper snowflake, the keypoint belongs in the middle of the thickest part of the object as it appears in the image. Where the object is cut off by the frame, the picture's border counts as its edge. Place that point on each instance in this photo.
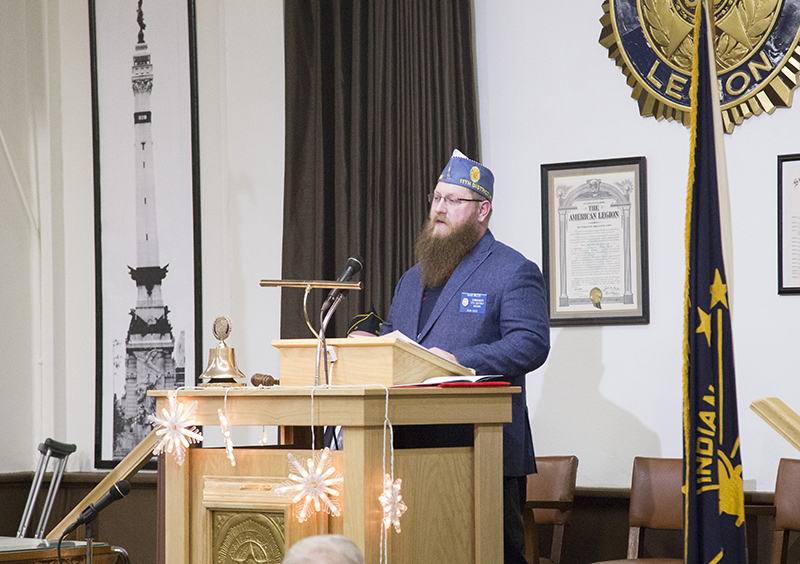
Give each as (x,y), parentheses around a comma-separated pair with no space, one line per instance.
(313,486)
(226,434)
(392,502)
(177,430)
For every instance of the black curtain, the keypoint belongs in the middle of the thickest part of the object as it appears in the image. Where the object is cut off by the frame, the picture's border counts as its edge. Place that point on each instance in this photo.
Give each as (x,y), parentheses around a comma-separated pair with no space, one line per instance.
(378,94)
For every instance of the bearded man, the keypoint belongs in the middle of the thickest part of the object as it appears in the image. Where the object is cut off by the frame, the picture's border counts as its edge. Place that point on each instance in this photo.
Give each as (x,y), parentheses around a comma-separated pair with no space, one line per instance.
(478,302)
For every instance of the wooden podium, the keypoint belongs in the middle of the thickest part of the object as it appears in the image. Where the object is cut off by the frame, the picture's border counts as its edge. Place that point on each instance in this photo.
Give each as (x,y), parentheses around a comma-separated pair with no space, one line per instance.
(215,511)
(389,360)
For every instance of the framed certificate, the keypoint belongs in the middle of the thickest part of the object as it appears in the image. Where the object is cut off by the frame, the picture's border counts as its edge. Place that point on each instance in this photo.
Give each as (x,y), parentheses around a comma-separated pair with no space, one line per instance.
(789,224)
(594,241)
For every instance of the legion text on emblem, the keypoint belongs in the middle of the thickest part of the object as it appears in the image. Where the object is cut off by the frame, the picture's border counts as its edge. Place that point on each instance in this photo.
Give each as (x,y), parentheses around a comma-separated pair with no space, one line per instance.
(757,54)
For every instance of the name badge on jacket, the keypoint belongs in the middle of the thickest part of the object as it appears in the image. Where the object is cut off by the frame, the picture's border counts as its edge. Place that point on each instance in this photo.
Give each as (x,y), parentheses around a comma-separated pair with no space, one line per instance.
(473,303)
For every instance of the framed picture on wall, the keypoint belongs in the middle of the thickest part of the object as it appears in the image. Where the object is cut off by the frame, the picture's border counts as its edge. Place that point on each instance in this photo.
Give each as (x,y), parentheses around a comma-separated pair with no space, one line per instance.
(147,213)
(789,224)
(594,241)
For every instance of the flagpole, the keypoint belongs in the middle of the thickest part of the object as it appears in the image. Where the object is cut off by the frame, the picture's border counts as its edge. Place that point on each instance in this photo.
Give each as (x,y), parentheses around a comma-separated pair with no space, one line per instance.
(726,231)
(713,479)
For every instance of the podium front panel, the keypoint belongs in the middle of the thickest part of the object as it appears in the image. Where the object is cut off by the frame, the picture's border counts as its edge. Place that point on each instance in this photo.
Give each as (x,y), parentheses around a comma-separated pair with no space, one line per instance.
(454,495)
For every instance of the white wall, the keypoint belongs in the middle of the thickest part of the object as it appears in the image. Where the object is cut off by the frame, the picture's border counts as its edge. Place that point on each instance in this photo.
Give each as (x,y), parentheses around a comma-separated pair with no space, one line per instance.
(241,103)
(48,282)
(32,283)
(19,234)
(548,93)
(607,394)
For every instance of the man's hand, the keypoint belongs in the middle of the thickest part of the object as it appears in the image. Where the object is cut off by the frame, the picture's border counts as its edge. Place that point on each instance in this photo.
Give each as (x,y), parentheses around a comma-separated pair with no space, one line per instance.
(358,333)
(444,354)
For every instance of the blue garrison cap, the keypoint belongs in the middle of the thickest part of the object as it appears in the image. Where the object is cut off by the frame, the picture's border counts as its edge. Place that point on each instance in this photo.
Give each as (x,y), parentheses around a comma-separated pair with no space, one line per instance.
(463,171)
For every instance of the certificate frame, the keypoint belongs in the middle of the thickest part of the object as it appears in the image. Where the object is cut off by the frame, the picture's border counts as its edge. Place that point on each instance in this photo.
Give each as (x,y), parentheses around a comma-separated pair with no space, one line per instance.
(789,224)
(148,303)
(594,241)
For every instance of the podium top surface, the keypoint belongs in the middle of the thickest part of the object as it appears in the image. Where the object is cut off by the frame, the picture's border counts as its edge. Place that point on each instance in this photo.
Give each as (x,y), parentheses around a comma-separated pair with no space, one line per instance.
(338,391)
(354,406)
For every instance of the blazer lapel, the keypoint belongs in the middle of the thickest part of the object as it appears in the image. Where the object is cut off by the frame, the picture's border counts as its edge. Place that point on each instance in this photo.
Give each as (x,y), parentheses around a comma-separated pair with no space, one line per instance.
(460,275)
(414,307)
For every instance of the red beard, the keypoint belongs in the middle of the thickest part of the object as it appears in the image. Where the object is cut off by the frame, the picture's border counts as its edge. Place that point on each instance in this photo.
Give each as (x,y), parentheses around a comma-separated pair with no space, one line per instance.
(439,255)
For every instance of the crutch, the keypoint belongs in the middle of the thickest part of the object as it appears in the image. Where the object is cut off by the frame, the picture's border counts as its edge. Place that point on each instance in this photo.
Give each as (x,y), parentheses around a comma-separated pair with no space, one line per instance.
(49,449)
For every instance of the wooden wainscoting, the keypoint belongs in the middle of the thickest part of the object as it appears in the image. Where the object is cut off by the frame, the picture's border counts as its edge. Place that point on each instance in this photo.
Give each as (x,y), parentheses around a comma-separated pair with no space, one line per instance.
(130,522)
(599,530)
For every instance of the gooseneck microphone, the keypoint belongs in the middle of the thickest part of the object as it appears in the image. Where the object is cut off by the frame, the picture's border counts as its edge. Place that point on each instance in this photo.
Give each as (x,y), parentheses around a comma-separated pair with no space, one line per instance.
(353,266)
(117,491)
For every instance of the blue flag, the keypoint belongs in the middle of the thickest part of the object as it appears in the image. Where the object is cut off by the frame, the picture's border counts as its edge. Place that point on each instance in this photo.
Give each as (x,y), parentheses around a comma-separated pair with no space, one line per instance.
(714,504)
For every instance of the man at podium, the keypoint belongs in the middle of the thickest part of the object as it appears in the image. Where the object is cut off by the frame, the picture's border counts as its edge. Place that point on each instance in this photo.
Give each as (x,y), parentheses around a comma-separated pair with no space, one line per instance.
(478,302)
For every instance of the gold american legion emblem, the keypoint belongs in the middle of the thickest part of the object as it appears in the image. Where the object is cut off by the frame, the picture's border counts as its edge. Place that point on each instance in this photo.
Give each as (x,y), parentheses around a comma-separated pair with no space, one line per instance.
(757,54)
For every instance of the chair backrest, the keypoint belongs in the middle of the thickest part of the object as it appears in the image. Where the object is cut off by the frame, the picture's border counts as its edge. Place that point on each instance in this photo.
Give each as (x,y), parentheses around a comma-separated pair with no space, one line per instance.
(787,507)
(554,481)
(550,496)
(656,498)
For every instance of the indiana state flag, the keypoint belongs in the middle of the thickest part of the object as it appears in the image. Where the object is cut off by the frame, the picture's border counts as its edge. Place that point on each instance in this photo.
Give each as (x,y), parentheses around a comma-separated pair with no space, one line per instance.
(714,504)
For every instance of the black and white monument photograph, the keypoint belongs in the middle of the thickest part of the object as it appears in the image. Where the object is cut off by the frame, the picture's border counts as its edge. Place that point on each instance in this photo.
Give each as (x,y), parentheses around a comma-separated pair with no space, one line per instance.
(145,216)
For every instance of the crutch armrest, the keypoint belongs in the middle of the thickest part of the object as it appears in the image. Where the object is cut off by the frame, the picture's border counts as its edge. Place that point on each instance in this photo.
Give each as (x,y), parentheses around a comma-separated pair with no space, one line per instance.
(57,449)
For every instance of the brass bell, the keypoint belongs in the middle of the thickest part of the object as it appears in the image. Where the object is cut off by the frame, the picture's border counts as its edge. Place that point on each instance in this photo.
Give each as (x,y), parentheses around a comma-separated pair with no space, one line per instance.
(221,369)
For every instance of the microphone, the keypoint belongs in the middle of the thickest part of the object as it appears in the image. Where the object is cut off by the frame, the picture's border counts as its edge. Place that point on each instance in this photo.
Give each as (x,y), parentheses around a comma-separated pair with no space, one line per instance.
(353,266)
(117,491)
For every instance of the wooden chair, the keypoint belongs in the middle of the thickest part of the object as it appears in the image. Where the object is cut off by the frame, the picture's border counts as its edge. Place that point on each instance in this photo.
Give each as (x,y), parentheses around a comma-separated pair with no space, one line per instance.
(656,503)
(551,492)
(787,507)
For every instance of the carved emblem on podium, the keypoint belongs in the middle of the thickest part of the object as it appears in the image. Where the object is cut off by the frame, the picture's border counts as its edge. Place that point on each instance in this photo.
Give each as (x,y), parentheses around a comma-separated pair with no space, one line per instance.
(249,537)
(249,522)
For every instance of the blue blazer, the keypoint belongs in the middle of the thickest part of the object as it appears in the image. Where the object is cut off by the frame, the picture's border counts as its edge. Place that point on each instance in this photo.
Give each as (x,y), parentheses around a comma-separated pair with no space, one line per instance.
(492,315)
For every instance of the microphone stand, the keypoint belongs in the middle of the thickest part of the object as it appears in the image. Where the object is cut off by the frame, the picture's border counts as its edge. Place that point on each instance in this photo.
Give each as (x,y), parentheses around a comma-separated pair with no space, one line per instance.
(89,538)
(322,351)
(322,347)
(308,285)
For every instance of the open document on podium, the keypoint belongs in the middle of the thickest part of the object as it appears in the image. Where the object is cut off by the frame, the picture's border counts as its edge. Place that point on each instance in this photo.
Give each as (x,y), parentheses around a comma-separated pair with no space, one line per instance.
(472,379)
(388,360)
(406,339)
(455,381)
(780,417)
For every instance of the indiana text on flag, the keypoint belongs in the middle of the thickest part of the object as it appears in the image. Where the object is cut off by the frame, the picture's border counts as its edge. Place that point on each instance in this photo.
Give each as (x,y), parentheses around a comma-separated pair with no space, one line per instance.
(714,507)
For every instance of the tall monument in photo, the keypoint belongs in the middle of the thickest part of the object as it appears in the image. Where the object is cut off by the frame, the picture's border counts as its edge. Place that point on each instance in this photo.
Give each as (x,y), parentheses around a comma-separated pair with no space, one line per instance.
(149,362)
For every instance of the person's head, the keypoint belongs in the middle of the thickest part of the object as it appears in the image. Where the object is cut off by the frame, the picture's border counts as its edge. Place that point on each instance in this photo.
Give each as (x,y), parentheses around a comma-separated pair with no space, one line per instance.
(324,549)
(459,216)
(463,194)
(454,206)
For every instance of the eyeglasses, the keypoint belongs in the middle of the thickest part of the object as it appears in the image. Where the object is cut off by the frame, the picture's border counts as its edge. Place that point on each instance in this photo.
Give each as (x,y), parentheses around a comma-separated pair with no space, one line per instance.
(449,201)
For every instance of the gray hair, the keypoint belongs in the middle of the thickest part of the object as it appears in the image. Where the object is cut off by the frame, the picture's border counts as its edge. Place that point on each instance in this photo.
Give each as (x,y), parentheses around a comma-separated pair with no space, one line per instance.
(324,549)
